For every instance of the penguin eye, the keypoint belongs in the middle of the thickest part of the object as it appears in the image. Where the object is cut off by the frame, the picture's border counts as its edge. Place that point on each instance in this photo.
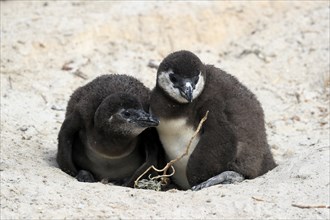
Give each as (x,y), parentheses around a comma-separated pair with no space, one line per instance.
(196,78)
(173,78)
(126,114)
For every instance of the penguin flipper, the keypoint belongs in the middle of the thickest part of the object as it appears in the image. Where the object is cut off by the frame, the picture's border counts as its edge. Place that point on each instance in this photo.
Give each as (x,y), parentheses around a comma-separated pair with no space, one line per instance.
(69,128)
(226,177)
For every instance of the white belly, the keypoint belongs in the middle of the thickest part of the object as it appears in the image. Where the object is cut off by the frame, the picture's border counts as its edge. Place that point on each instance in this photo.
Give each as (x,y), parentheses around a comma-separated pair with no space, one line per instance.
(175,136)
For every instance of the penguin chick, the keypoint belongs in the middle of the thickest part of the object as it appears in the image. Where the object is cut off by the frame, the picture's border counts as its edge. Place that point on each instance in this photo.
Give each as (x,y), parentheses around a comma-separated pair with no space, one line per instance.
(232,144)
(107,134)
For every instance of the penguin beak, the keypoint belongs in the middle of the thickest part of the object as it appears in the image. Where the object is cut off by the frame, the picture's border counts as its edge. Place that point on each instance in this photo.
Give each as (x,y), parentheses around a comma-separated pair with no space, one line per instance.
(146,120)
(186,91)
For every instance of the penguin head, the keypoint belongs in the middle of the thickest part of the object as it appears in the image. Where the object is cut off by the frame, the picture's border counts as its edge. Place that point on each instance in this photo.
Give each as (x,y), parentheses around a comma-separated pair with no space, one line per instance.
(123,114)
(181,75)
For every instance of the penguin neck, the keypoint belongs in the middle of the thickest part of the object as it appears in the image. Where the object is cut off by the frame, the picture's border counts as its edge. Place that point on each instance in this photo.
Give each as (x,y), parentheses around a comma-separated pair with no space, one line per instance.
(167,106)
(112,145)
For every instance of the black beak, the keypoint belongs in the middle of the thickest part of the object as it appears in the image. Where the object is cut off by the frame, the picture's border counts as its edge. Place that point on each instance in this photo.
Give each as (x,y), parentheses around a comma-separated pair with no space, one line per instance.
(146,120)
(186,92)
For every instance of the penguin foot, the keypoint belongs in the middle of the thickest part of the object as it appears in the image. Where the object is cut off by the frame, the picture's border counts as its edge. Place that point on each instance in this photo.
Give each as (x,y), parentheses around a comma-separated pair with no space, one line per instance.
(226,177)
(85,176)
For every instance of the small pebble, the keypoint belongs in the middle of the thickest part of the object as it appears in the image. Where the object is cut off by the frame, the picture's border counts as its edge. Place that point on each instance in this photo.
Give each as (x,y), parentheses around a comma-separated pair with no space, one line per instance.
(57,108)
(24,128)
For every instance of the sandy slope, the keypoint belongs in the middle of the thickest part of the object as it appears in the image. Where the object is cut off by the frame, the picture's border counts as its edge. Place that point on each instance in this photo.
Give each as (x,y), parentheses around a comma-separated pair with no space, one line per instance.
(280,50)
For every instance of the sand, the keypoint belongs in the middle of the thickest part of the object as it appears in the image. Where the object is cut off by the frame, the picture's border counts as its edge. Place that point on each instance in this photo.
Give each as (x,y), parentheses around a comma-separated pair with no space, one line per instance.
(280,50)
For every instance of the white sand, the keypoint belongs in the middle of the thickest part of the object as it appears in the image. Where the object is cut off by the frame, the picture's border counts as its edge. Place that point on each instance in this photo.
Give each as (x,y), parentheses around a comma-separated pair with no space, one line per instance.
(288,70)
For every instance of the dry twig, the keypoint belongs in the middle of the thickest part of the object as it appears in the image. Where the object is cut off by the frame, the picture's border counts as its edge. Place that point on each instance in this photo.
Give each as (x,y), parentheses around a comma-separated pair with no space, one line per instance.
(44,98)
(257,199)
(10,82)
(311,206)
(80,74)
(163,177)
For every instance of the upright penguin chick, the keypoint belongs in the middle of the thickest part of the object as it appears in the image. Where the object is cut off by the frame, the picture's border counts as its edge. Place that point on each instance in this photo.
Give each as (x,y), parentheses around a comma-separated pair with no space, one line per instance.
(107,131)
(232,141)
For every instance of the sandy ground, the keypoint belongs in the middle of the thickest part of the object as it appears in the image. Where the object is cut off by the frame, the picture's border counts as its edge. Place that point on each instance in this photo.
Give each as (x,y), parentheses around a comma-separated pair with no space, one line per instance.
(280,50)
